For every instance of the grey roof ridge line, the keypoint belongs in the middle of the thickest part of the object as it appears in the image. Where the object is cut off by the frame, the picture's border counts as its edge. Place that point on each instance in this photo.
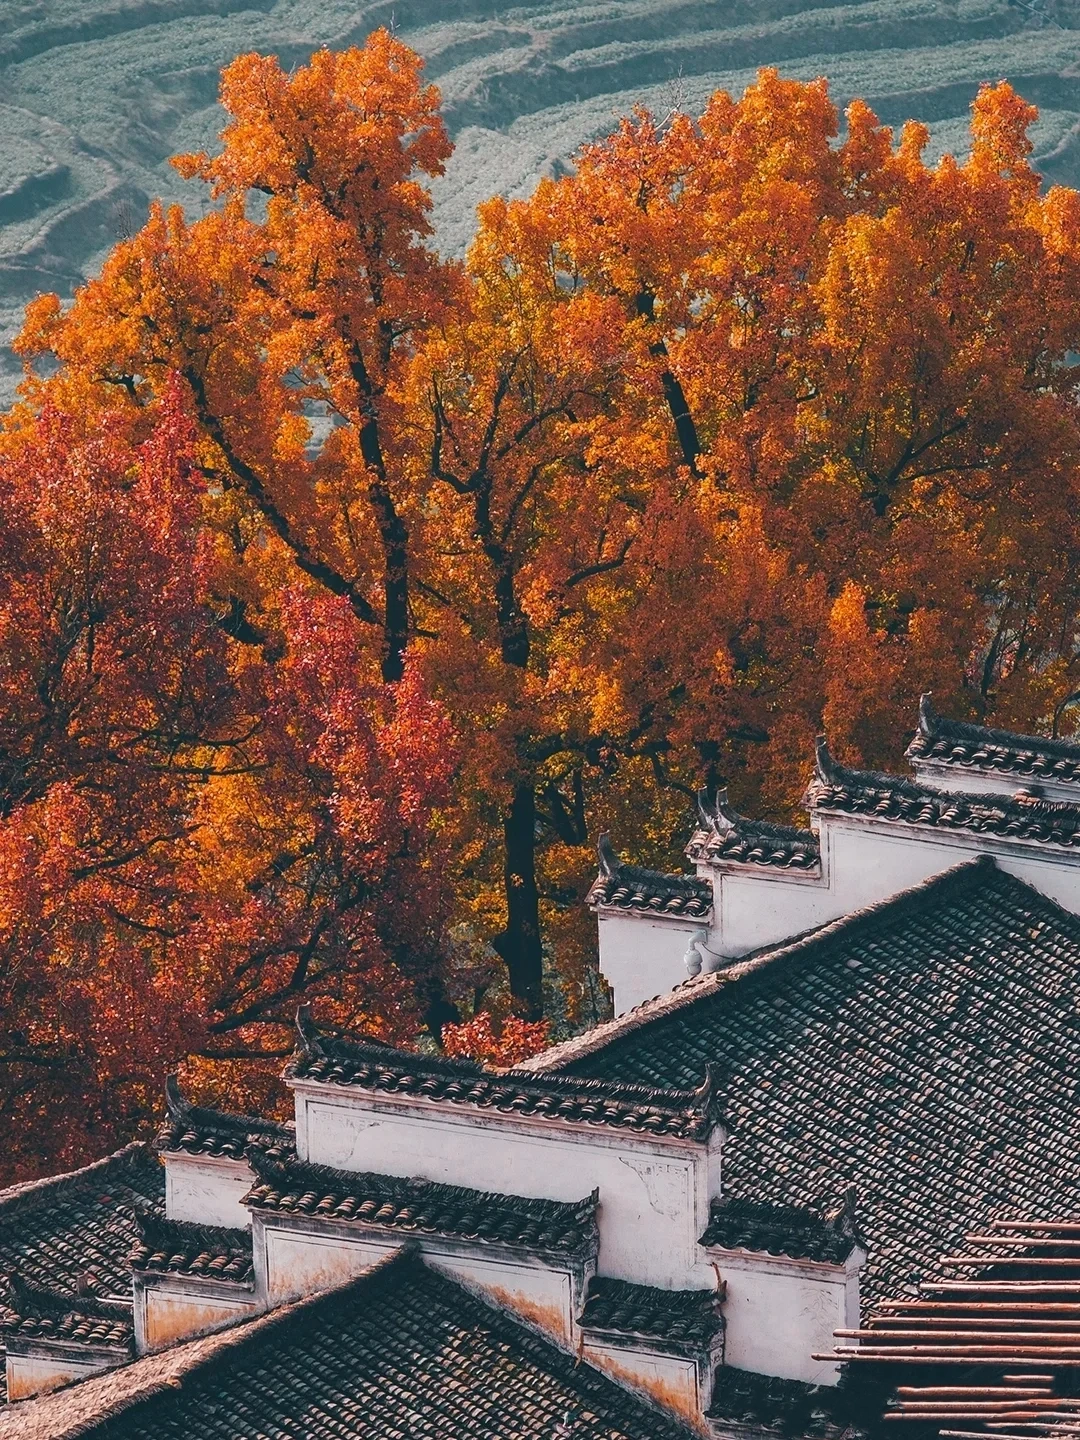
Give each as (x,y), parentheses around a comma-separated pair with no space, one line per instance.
(676,1099)
(699,987)
(16,1196)
(181,1110)
(931,722)
(263,1164)
(178,1362)
(830,771)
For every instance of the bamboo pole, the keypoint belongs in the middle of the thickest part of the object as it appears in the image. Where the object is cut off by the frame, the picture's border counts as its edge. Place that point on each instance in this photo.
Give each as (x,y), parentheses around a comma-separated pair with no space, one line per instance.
(1062,1337)
(972,1390)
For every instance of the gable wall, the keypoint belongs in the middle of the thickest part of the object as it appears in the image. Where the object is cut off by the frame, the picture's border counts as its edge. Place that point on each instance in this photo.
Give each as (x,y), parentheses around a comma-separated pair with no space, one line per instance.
(654,1195)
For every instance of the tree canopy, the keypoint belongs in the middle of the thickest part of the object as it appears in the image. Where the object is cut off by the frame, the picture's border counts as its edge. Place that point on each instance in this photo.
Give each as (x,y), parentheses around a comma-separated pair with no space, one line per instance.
(349,591)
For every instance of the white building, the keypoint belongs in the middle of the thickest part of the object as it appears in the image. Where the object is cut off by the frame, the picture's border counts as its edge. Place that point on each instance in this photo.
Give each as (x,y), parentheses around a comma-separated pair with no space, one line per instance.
(836,1052)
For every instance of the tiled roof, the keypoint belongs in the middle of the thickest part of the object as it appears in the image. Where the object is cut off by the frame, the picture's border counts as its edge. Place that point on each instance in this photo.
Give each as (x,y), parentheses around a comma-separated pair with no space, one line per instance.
(976,747)
(926,1051)
(781,1407)
(685,1317)
(629,887)
(201,1131)
(643,1109)
(181,1248)
(836,788)
(80,1226)
(790,1230)
(724,834)
(28,1312)
(402,1353)
(421,1207)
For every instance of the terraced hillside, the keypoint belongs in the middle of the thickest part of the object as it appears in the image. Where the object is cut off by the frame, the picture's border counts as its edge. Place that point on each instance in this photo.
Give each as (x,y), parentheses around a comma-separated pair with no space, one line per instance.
(96,94)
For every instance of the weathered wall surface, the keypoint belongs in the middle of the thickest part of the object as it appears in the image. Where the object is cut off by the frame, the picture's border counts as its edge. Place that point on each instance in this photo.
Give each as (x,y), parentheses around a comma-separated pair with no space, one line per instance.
(778,1313)
(29,1375)
(165,1315)
(206,1190)
(654,1196)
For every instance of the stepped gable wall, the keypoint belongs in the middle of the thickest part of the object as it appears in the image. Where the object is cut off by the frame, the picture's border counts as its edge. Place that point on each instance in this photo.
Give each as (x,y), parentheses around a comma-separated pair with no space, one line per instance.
(975,791)
(653,1154)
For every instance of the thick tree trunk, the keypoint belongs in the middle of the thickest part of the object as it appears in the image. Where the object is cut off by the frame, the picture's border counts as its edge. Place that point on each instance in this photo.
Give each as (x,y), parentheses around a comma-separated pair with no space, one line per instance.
(519,944)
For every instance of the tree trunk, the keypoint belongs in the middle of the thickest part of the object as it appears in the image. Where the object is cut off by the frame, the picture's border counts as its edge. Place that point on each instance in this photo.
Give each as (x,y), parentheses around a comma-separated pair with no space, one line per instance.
(519,944)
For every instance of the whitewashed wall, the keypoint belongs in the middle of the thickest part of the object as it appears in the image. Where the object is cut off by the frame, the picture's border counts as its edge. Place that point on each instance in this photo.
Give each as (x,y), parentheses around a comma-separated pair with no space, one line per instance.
(654,1194)
(169,1309)
(863,861)
(207,1189)
(642,956)
(671,1380)
(41,1369)
(299,1259)
(780,1312)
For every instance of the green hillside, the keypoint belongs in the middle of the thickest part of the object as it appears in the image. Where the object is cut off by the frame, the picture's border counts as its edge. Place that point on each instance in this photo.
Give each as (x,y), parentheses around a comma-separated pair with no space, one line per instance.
(96,94)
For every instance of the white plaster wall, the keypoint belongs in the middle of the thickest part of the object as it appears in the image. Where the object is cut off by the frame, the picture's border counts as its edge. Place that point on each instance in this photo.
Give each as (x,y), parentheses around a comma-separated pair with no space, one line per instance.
(956,779)
(778,1316)
(543,1297)
(671,1380)
(300,1263)
(641,957)
(865,862)
(207,1190)
(166,1317)
(29,1375)
(654,1198)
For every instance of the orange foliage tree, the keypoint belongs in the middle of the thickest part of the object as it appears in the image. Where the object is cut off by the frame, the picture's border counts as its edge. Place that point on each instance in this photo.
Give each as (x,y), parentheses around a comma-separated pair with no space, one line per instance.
(743,427)
(192,836)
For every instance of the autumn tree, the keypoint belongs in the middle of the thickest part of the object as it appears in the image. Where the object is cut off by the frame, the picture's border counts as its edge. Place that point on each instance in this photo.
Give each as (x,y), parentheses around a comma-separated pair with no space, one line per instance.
(869,360)
(193,835)
(742,427)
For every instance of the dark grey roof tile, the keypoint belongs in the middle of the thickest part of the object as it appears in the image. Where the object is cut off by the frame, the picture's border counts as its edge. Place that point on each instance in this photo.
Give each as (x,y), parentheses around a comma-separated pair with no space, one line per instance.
(642,1109)
(979,748)
(687,1317)
(791,1230)
(198,1130)
(181,1248)
(422,1207)
(402,1353)
(649,892)
(926,1052)
(723,834)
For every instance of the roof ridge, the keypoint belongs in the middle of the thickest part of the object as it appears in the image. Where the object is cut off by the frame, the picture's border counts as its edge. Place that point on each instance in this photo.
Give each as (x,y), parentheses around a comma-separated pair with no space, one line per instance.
(182,1110)
(264,1166)
(701,987)
(933,725)
(723,834)
(23,1195)
(693,1107)
(836,789)
(26,1297)
(830,771)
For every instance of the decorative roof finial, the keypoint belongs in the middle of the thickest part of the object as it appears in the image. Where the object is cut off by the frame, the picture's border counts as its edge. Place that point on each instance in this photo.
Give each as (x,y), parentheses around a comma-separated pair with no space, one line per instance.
(715,812)
(927,713)
(609,861)
(308,1036)
(842,1217)
(825,767)
(179,1109)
